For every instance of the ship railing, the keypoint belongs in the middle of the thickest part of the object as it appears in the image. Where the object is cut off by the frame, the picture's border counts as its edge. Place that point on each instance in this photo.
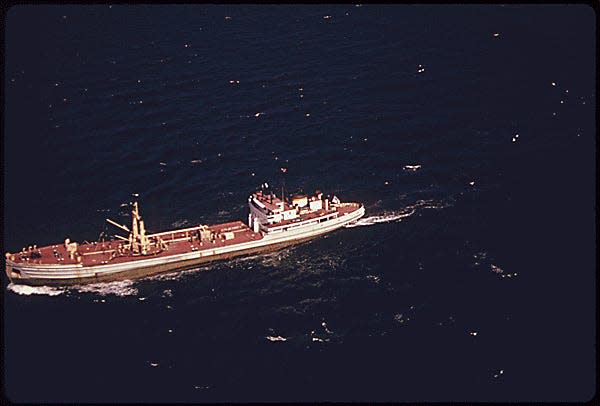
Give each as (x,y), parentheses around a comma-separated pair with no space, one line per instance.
(347,205)
(182,230)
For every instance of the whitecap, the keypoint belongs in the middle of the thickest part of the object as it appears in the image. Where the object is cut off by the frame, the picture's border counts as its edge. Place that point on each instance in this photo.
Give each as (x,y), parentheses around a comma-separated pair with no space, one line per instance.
(399,318)
(27,290)
(412,168)
(324,325)
(373,278)
(276,338)
(496,269)
(479,256)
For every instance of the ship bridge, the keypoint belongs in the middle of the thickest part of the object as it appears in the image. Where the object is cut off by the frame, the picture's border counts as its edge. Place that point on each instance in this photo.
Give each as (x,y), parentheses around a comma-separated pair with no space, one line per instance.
(268,210)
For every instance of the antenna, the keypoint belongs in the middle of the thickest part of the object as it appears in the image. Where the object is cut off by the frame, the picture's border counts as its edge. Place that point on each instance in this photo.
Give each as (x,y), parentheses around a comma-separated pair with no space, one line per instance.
(283,171)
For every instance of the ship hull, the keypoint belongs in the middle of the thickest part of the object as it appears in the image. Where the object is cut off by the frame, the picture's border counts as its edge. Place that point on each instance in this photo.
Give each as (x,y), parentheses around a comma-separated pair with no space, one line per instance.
(151,270)
(77,275)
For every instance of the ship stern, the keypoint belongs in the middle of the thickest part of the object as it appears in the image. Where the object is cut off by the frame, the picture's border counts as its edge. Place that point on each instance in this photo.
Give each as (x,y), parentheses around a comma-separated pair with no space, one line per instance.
(11,272)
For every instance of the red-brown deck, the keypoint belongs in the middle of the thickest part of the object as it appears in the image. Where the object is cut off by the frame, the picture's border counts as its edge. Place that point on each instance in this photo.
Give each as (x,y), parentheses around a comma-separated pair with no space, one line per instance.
(178,241)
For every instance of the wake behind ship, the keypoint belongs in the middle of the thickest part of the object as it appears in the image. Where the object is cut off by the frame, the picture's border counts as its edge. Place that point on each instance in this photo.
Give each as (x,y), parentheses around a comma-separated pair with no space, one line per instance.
(273,223)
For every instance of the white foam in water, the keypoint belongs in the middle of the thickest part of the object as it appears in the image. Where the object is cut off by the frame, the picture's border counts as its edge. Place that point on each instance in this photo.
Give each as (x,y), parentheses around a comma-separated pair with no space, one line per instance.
(180,223)
(373,278)
(276,338)
(496,269)
(384,218)
(119,288)
(411,167)
(387,217)
(176,275)
(35,290)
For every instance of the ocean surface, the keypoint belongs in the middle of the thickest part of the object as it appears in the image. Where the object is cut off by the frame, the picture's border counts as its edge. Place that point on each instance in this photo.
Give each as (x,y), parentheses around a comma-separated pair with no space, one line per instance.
(468,132)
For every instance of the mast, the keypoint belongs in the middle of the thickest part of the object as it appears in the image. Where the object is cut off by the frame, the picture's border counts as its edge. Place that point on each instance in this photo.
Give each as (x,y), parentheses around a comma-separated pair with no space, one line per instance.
(134,228)
(138,241)
(143,239)
(138,234)
(283,171)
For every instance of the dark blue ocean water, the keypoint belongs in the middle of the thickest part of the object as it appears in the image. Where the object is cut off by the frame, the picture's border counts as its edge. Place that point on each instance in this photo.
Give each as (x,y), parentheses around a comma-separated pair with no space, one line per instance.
(472,277)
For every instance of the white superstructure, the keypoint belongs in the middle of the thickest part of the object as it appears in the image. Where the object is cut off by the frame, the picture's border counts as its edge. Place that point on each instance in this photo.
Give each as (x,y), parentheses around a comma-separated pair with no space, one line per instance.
(271,214)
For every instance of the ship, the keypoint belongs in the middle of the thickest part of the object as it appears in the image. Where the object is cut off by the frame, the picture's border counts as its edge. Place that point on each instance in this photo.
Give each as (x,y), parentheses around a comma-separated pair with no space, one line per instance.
(273,222)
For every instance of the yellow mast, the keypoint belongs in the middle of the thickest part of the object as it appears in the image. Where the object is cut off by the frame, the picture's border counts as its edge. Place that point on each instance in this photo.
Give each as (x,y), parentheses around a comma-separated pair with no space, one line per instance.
(143,239)
(134,229)
(140,242)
